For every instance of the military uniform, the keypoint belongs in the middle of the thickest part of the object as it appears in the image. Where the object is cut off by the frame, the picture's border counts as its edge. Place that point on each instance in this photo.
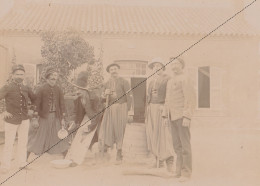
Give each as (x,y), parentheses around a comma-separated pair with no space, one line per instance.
(17,99)
(50,106)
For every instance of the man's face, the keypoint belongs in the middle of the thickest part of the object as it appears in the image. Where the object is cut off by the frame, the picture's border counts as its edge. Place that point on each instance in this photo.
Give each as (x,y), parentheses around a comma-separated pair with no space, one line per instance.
(157,68)
(113,71)
(176,67)
(52,79)
(18,76)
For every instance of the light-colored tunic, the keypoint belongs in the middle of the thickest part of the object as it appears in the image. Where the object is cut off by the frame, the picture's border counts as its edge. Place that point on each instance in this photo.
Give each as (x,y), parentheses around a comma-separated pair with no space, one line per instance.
(180,97)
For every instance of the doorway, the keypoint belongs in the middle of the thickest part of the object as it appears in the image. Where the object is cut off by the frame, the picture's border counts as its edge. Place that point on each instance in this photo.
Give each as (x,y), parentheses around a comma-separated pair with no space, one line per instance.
(138,85)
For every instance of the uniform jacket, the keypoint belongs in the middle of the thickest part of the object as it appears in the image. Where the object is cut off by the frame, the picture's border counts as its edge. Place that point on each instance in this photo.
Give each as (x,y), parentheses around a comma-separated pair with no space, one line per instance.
(17,99)
(44,97)
(180,97)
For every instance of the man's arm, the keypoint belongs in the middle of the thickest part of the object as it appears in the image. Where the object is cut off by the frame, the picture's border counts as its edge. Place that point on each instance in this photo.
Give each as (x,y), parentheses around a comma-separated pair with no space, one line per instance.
(189,98)
(31,95)
(167,103)
(38,99)
(3,91)
(62,102)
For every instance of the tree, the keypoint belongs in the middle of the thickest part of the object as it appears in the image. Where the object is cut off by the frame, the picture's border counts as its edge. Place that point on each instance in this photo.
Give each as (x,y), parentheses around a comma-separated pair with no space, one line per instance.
(65,51)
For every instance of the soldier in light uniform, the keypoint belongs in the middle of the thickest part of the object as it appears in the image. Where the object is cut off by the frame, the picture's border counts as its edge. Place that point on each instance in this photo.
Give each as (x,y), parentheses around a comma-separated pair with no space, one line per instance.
(180,102)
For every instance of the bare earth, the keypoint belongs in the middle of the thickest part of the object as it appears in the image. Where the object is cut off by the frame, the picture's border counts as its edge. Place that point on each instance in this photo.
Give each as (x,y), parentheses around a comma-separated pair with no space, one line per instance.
(221,157)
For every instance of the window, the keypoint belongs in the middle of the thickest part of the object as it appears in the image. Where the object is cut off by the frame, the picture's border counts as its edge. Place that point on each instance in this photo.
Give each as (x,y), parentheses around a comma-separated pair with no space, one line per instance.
(207,81)
(204,87)
(132,67)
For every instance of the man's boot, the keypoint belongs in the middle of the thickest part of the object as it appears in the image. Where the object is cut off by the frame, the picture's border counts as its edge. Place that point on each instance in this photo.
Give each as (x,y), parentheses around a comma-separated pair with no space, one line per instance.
(169,163)
(119,156)
(161,164)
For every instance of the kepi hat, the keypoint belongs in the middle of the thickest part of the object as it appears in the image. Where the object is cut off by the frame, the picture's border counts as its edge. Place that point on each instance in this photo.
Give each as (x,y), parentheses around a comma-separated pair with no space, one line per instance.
(181,61)
(111,65)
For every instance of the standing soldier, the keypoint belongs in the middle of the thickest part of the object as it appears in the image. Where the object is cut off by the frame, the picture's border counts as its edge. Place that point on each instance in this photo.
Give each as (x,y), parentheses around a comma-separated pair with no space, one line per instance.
(50,107)
(180,102)
(157,128)
(116,114)
(17,98)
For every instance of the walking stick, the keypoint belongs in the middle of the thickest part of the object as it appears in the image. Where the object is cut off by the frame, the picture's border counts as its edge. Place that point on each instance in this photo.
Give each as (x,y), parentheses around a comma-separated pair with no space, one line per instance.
(103,145)
(158,149)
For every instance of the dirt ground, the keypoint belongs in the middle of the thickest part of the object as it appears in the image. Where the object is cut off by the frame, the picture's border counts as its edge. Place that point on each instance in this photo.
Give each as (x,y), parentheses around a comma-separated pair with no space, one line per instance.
(221,157)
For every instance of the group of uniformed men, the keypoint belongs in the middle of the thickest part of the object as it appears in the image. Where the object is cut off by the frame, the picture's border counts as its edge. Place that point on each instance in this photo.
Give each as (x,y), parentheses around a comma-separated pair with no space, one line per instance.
(169,108)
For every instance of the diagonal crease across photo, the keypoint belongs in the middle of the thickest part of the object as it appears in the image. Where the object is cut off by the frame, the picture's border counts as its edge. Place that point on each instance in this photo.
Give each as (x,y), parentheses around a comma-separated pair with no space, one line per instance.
(131,89)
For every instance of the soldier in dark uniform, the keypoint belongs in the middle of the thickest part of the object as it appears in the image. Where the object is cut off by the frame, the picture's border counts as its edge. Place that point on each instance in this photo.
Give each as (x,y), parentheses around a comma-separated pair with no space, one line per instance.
(17,98)
(87,117)
(50,107)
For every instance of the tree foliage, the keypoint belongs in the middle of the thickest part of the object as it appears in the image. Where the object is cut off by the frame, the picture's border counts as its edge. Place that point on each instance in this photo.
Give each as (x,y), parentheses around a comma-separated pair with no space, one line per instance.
(65,51)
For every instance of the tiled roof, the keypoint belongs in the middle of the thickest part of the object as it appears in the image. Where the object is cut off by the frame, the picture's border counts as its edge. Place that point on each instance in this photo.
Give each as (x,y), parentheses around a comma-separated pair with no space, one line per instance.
(116,19)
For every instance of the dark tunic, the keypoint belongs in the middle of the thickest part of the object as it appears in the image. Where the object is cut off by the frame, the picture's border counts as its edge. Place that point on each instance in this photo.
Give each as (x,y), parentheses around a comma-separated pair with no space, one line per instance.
(17,99)
(119,88)
(50,99)
(50,106)
(93,109)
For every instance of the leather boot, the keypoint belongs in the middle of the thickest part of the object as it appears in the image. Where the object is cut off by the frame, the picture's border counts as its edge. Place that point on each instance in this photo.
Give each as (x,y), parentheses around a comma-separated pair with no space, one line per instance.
(169,163)
(119,156)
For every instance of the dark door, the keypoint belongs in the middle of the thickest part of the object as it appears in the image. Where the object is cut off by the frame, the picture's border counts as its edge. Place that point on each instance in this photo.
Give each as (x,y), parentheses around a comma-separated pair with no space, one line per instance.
(139,94)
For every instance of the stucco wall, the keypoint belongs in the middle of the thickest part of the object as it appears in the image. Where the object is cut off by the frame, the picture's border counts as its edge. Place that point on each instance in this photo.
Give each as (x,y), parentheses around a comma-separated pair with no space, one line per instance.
(238,58)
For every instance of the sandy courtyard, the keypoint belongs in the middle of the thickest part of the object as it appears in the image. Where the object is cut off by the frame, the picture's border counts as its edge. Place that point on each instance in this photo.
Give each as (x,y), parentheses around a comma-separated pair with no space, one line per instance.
(221,157)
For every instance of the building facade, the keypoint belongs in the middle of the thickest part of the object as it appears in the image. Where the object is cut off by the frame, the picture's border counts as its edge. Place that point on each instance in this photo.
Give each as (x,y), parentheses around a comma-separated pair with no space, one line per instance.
(225,67)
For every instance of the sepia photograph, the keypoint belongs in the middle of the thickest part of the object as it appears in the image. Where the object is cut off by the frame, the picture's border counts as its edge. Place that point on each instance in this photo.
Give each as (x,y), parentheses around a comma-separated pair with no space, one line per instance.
(130,92)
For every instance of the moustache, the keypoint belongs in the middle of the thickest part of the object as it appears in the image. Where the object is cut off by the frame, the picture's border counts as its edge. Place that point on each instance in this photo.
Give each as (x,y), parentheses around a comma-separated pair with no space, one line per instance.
(54,79)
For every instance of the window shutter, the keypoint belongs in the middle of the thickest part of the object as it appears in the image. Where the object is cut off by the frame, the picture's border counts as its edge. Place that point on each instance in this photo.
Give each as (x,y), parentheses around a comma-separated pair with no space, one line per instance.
(216,89)
(193,74)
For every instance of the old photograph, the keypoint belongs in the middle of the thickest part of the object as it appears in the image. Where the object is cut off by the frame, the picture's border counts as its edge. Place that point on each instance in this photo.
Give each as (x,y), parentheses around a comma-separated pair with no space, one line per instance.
(129,92)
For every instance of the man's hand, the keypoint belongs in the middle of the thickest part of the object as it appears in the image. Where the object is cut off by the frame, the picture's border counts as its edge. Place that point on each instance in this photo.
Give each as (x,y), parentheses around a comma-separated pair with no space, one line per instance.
(7,114)
(30,113)
(186,122)
(107,92)
(164,111)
